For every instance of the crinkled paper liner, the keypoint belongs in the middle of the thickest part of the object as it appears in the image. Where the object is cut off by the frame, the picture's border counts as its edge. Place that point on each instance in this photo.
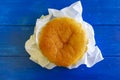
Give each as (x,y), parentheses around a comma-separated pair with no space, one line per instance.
(92,55)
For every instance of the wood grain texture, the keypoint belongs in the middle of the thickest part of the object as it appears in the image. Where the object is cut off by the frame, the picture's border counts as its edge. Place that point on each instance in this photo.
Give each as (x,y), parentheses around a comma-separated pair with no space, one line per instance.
(21,68)
(17,20)
(13,38)
(20,12)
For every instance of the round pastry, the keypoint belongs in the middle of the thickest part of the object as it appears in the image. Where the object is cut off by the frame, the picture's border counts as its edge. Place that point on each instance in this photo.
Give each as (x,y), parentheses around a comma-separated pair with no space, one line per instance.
(63,41)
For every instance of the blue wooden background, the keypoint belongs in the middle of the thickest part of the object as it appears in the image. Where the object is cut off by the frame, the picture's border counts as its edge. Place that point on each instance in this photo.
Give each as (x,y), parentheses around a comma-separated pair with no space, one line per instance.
(17,21)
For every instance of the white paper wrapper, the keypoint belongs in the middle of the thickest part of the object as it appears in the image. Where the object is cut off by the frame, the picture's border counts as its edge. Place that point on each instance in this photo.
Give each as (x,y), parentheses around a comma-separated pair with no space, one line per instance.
(92,55)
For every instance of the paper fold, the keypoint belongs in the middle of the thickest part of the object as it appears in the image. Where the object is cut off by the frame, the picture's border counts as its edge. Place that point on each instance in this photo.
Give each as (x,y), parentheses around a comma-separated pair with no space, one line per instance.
(92,55)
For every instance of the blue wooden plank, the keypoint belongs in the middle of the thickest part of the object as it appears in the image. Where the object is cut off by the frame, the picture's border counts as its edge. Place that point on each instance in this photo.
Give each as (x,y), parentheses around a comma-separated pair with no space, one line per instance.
(108,39)
(13,38)
(24,12)
(105,16)
(22,15)
(21,68)
(95,3)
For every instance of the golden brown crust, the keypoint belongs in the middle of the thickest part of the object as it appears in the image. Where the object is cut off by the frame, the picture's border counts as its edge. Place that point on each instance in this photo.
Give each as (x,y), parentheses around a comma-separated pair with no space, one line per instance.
(63,41)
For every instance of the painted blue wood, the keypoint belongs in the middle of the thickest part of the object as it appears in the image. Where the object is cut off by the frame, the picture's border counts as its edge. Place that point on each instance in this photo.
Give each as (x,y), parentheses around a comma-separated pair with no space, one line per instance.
(108,39)
(13,39)
(17,20)
(24,12)
(21,68)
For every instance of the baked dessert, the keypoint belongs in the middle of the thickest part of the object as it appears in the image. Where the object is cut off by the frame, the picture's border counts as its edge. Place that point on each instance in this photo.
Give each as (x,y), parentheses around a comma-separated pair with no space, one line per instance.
(63,41)
(63,38)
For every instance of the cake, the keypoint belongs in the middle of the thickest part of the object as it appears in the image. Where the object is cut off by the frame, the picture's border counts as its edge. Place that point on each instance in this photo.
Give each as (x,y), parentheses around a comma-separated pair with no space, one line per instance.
(63,38)
(63,41)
